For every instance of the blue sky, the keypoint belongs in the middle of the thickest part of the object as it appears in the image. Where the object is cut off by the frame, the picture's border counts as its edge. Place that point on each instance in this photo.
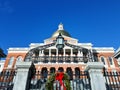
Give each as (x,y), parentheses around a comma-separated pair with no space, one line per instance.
(31,21)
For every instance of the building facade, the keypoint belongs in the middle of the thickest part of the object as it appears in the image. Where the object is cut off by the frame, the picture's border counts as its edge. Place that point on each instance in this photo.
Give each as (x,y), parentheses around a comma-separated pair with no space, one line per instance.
(72,58)
(2,59)
(117,55)
(2,54)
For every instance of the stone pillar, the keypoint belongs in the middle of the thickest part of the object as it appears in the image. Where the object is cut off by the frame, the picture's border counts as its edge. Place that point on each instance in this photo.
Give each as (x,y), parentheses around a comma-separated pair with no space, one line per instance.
(22,76)
(96,76)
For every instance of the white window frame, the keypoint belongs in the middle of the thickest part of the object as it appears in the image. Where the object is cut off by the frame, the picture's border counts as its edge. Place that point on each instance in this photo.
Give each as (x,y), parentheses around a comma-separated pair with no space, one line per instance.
(11,60)
(106,65)
(113,65)
(118,60)
(18,59)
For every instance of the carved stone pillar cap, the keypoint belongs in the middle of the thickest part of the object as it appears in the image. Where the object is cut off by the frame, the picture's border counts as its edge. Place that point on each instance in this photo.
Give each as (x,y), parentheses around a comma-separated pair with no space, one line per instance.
(94,65)
(23,65)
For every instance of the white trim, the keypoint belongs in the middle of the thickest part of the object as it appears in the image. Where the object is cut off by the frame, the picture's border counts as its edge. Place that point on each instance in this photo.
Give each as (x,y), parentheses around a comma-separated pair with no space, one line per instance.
(106,64)
(113,65)
(103,49)
(18,50)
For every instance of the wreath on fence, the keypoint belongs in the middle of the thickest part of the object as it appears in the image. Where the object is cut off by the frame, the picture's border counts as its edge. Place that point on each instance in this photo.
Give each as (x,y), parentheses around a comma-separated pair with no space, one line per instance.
(61,77)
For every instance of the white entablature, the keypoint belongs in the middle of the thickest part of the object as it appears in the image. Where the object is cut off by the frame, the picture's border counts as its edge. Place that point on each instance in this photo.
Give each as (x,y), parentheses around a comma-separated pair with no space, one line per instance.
(103,49)
(18,50)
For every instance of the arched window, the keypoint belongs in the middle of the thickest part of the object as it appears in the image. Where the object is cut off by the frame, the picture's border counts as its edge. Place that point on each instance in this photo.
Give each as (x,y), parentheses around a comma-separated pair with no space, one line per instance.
(77,73)
(11,60)
(95,58)
(102,59)
(60,69)
(69,72)
(19,59)
(110,60)
(44,72)
(52,70)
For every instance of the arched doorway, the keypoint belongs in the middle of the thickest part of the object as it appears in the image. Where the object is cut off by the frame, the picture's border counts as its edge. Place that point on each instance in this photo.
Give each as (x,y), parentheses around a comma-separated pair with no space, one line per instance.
(44,72)
(69,72)
(52,70)
(77,73)
(60,69)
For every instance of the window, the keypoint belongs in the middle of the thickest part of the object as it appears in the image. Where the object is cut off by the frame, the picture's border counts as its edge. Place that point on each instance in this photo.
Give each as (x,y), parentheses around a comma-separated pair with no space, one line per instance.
(11,60)
(19,59)
(103,60)
(95,58)
(118,61)
(110,60)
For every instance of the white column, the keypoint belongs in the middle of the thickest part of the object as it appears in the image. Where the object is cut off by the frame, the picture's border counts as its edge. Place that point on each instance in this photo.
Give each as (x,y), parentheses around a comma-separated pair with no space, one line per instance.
(81,53)
(56,52)
(49,52)
(64,52)
(78,53)
(40,53)
(71,52)
(96,76)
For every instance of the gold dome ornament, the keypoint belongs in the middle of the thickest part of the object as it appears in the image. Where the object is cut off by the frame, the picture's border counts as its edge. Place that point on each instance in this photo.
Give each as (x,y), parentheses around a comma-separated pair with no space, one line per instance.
(61,30)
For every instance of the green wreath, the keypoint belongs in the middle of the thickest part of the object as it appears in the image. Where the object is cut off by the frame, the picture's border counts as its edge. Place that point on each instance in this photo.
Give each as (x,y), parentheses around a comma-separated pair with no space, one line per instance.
(51,79)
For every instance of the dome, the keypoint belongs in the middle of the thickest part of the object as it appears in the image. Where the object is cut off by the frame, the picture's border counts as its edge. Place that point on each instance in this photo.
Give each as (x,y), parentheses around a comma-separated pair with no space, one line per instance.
(61,30)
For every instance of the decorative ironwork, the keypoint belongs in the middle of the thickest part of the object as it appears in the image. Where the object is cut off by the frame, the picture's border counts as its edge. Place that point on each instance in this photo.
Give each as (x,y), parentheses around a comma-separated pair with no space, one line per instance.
(34,50)
(112,80)
(7,79)
(82,82)
(88,56)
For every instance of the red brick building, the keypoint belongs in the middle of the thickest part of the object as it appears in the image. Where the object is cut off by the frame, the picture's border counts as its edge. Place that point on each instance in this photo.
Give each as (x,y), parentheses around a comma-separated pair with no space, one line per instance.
(72,57)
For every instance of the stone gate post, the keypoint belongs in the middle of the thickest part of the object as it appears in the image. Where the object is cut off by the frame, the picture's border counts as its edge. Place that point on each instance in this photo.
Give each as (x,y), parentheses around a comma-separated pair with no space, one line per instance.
(96,76)
(22,76)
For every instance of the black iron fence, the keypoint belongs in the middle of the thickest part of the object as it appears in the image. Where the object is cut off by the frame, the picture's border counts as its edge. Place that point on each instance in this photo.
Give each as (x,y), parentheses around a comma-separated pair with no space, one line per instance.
(112,80)
(60,59)
(7,78)
(78,82)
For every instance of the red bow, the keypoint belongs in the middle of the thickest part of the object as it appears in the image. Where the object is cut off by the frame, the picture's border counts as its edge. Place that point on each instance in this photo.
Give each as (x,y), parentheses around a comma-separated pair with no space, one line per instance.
(59,77)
